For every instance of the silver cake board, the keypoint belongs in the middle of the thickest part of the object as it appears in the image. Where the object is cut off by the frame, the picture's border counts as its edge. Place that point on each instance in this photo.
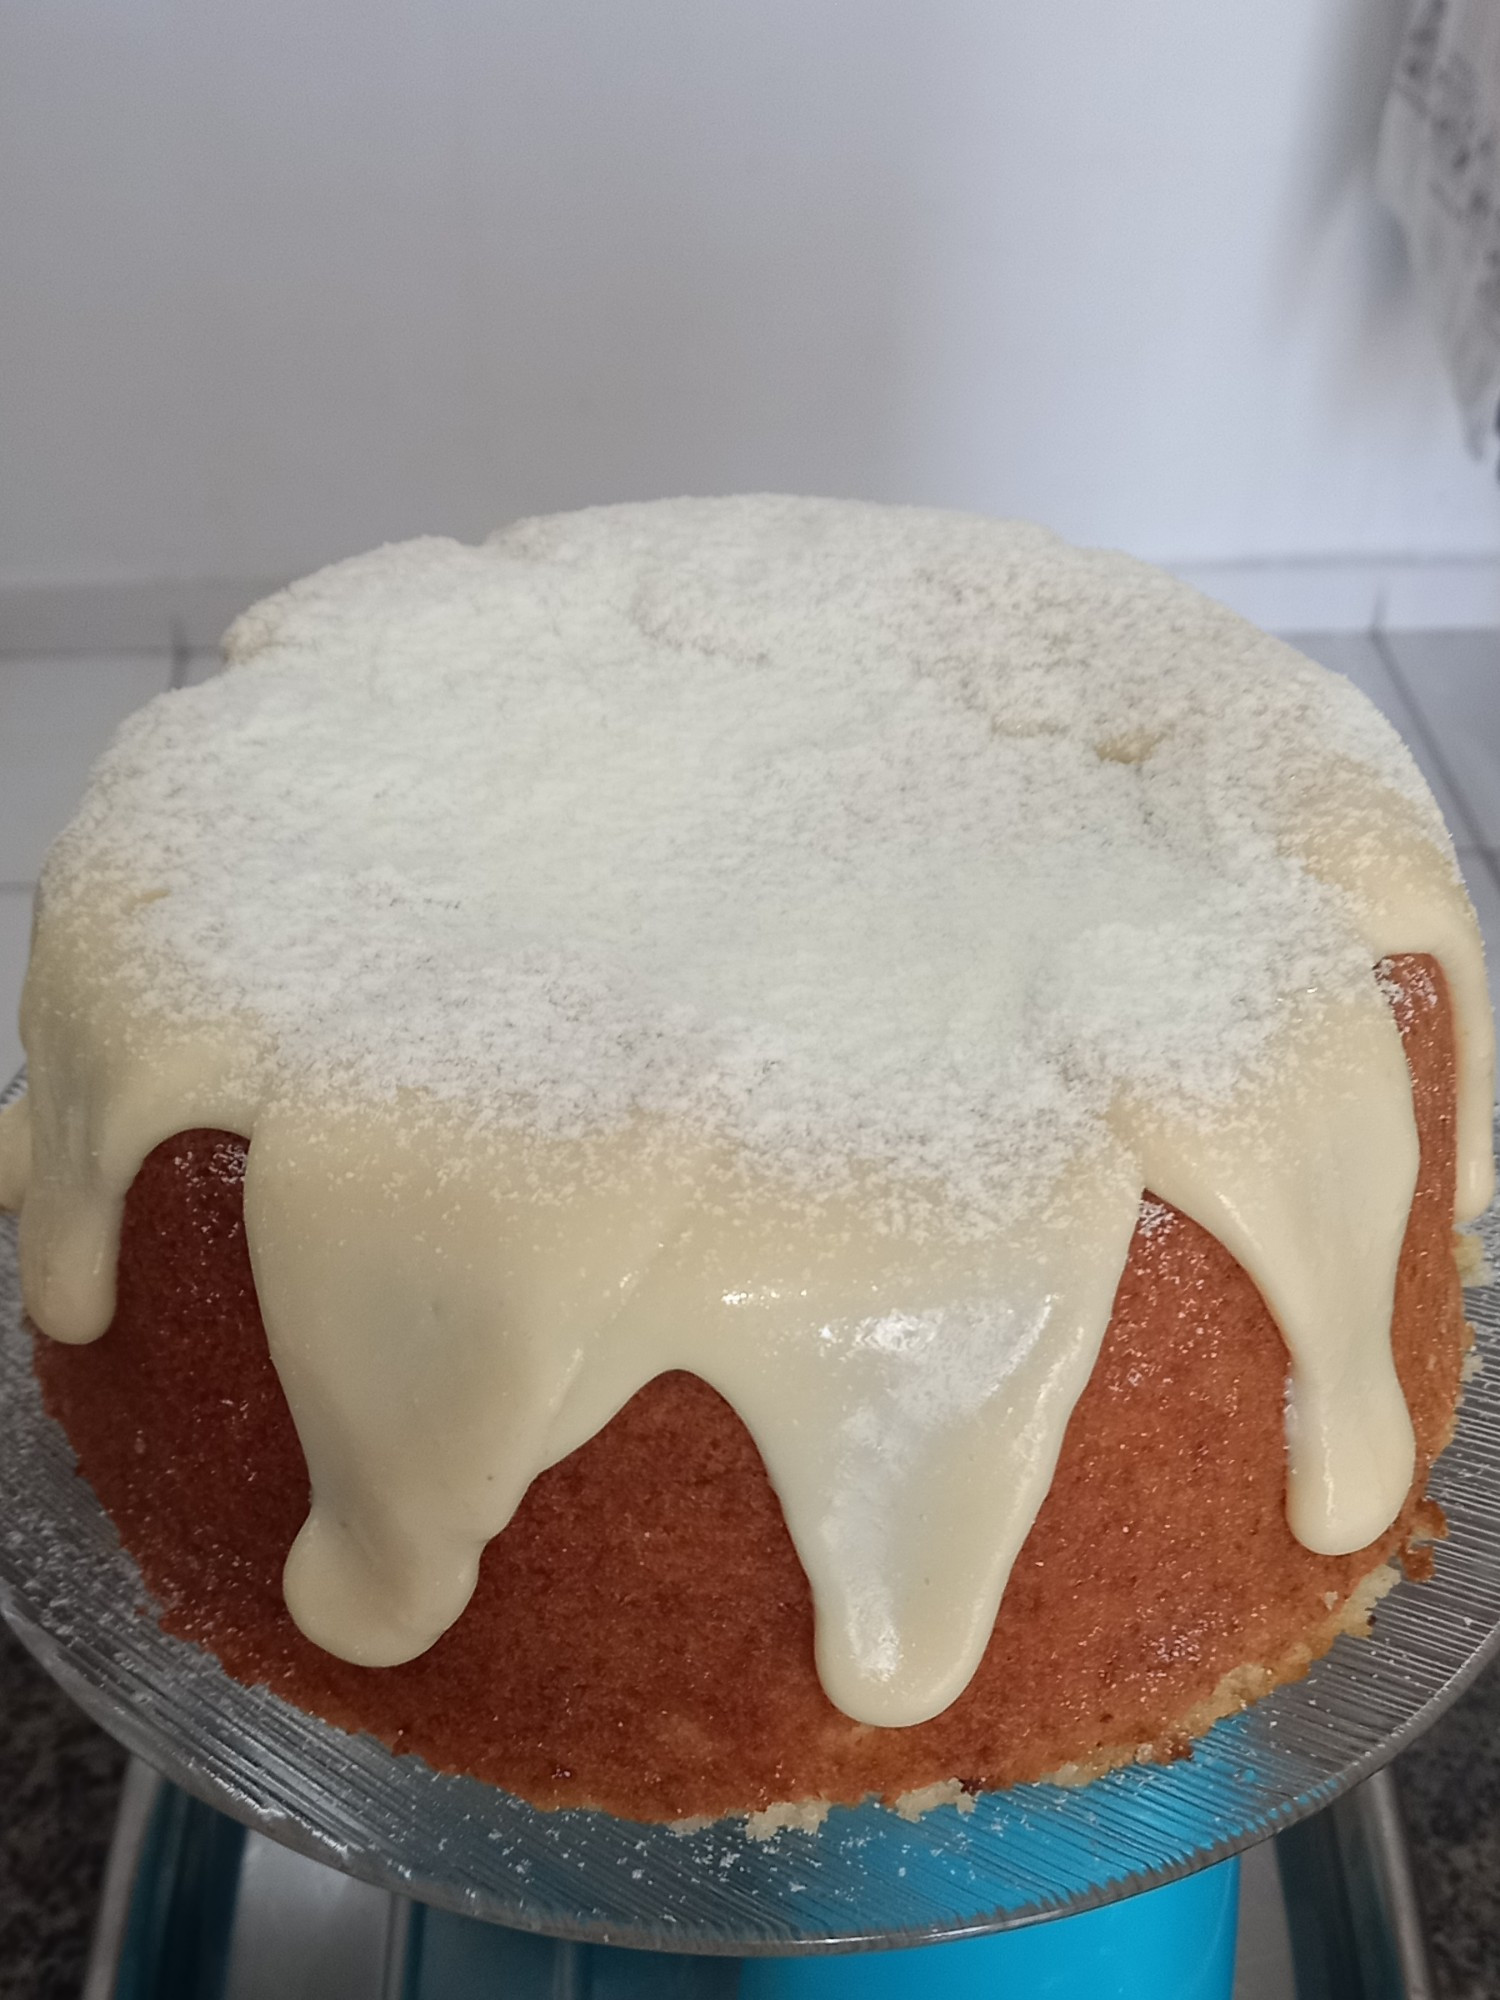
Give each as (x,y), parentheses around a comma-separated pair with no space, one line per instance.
(866,1878)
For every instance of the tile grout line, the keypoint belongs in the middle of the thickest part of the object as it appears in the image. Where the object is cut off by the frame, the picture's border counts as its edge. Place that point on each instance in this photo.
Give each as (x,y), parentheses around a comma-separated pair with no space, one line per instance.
(1474,840)
(181,653)
(10,654)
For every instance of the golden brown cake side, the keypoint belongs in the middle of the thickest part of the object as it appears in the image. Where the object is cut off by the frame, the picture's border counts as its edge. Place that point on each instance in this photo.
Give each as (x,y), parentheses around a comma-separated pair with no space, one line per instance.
(641,1635)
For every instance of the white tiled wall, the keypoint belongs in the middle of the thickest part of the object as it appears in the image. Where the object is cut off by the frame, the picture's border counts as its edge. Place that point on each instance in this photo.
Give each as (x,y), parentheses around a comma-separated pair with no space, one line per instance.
(284,281)
(1455,679)
(57,712)
(197,667)
(56,715)
(15,929)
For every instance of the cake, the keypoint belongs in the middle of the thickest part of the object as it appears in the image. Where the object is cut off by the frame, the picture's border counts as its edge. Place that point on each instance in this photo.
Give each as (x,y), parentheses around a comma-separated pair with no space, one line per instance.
(739,1154)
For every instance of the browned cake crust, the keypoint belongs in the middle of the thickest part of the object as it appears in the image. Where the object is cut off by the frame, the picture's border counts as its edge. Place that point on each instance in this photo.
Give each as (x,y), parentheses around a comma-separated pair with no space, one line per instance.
(641,1634)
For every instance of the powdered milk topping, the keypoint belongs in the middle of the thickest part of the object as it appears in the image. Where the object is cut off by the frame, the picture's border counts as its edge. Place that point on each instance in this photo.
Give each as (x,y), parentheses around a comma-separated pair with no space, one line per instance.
(769,937)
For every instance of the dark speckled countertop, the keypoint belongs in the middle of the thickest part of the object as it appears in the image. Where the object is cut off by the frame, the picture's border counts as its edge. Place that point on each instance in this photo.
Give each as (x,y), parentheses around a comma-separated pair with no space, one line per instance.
(1450,1796)
(59,1778)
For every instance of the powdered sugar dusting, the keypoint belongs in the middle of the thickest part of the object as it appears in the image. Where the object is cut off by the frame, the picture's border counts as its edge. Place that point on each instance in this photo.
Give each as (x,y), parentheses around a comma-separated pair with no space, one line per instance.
(855,836)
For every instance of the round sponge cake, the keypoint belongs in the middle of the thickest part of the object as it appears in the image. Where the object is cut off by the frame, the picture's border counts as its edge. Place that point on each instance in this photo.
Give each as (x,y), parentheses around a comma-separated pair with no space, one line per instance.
(730,1154)
(640,1638)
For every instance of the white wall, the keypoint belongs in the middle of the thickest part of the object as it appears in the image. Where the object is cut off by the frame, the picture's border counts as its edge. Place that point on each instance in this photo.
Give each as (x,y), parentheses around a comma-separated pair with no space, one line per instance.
(282,278)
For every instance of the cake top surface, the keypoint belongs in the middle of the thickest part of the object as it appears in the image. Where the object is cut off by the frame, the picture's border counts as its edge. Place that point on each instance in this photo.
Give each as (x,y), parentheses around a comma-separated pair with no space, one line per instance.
(857,837)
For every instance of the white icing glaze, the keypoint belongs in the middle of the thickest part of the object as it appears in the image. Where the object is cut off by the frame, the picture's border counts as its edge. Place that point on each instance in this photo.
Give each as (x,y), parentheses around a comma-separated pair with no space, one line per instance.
(1308,1187)
(769,938)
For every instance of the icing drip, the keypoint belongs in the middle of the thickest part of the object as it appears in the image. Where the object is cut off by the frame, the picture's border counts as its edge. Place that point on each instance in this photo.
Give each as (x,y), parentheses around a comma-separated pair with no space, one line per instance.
(1308,1188)
(768,938)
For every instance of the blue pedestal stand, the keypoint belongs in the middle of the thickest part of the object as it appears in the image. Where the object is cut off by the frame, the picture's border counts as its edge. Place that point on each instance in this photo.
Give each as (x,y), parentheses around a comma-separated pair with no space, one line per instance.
(1175,1943)
(180,1936)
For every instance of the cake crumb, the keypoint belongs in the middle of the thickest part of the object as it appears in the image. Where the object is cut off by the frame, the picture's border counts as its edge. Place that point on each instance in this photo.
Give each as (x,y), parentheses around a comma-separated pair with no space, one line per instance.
(1365,1595)
(927,1798)
(1473,1266)
(792,1816)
